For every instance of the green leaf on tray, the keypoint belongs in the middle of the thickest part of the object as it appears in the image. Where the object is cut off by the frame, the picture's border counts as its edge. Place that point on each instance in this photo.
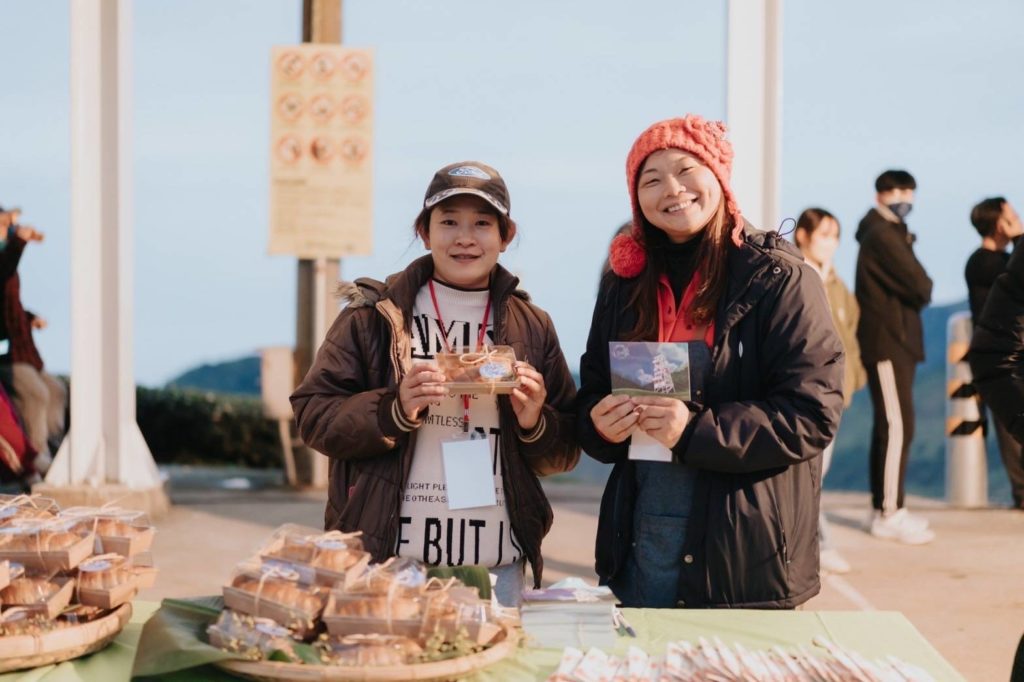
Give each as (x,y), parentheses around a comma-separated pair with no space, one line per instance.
(307,654)
(473,576)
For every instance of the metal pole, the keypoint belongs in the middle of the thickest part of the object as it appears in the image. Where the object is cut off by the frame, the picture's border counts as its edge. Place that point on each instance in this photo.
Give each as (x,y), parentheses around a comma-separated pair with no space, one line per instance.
(321,23)
(966,465)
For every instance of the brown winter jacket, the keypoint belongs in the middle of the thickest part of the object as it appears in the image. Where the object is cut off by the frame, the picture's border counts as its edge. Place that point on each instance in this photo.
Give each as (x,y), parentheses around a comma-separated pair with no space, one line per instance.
(343,409)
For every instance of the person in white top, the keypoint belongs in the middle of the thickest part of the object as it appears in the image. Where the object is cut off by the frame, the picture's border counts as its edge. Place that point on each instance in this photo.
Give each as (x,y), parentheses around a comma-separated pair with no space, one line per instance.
(407,451)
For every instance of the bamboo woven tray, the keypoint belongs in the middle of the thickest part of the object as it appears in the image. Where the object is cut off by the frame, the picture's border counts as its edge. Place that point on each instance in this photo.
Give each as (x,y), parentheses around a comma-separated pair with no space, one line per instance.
(438,670)
(27,651)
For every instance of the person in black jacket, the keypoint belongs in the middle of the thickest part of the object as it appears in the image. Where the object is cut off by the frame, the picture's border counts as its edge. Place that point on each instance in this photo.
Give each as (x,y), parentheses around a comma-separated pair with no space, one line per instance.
(731,520)
(999,225)
(997,349)
(891,287)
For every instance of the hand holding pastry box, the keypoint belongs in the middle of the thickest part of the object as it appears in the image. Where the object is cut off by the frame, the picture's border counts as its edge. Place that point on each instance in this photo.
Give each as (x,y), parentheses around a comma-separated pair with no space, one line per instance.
(488,371)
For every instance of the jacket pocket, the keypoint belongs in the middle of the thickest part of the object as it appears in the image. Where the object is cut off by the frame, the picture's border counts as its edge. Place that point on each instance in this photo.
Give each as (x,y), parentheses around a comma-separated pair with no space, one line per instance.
(658,554)
(746,559)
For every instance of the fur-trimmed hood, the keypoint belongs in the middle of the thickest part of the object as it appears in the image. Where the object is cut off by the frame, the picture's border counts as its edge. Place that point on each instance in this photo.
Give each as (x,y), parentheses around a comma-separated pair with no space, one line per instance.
(401,287)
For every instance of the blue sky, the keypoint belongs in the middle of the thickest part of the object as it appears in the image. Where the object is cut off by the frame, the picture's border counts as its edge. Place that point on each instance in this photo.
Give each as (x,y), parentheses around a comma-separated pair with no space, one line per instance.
(552,94)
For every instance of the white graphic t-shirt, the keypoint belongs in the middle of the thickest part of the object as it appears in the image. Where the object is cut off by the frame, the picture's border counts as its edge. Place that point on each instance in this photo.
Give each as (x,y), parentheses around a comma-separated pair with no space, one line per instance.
(428,530)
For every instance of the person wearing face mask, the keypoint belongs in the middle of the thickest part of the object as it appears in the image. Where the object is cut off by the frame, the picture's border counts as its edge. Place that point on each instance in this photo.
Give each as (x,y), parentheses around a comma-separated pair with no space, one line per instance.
(998,225)
(729,517)
(892,288)
(817,236)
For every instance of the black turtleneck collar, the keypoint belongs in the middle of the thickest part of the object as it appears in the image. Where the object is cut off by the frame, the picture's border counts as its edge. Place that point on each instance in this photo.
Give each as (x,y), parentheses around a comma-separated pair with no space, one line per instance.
(681,261)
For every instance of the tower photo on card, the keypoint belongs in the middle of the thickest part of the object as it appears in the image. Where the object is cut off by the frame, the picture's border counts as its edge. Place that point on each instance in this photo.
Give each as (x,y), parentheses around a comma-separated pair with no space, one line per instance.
(649,368)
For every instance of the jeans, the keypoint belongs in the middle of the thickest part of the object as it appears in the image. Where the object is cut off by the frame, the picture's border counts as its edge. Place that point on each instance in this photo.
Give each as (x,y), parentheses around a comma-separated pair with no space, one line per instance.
(509,586)
(664,499)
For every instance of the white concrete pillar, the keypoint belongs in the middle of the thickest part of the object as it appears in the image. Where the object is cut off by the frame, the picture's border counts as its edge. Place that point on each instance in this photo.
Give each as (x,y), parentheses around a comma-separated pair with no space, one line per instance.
(104,446)
(966,464)
(754,107)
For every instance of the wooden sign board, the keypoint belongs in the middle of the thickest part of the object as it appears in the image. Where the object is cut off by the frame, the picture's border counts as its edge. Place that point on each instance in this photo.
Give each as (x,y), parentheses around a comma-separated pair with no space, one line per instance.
(321,126)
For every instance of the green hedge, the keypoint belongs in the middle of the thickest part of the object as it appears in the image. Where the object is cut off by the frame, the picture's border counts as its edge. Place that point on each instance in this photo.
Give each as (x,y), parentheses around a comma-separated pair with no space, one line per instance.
(193,427)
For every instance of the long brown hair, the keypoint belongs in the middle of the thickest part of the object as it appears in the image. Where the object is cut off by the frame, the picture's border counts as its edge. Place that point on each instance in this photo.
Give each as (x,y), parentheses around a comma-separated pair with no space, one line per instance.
(711,264)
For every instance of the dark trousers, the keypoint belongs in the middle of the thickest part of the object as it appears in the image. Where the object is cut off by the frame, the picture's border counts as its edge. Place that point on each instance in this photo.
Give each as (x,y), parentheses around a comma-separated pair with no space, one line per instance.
(891,383)
(1013,460)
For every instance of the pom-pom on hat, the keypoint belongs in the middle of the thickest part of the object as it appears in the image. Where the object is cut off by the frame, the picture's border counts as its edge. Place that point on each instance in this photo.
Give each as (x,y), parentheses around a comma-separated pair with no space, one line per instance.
(694,135)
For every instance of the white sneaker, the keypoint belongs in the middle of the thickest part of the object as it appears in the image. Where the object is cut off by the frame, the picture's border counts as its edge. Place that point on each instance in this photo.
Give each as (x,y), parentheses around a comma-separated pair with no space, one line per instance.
(900,527)
(904,516)
(833,562)
(912,520)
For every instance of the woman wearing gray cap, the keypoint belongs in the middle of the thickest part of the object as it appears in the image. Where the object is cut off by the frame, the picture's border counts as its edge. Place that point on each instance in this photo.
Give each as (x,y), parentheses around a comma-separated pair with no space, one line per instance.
(405,468)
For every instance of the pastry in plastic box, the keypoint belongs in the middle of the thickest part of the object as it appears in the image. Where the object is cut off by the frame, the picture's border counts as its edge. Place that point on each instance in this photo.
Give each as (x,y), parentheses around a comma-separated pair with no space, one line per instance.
(121,531)
(39,593)
(369,650)
(106,581)
(490,370)
(26,507)
(255,638)
(331,555)
(394,613)
(8,571)
(21,621)
(145,571)
(276,591)
(456,610)
(396,575)
(55,544)
(77,614)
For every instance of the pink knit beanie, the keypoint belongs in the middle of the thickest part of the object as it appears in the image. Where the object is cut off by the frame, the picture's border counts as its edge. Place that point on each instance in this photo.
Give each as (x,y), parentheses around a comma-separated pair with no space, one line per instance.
(694,135)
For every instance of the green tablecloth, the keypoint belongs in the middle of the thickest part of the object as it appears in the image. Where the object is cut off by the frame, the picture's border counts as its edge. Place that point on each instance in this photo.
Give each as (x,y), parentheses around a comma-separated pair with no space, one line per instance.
(873,633)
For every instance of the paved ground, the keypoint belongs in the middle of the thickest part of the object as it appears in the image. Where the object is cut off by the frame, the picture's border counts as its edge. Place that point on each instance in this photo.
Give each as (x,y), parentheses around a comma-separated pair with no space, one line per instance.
(963,592)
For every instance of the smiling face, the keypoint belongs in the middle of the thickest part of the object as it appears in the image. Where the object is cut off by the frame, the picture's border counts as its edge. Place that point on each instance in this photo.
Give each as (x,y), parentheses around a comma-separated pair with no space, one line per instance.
(465,241)
(677,193)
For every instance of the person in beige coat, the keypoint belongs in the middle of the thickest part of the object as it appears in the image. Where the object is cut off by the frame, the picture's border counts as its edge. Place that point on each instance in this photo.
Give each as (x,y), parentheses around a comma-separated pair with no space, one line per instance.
(817,235)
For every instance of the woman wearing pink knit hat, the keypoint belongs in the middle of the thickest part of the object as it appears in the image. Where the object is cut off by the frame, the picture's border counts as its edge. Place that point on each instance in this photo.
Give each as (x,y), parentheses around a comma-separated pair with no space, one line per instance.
(729,517)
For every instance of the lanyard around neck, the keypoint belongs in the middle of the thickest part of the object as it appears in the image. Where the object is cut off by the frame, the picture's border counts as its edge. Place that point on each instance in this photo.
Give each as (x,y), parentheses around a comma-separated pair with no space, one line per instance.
(447,346)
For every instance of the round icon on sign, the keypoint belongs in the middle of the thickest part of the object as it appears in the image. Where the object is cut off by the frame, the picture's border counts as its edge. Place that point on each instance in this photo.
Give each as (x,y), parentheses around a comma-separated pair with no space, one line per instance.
(323,65)
(322,149)
(321,108)
(291,64)
(354,149)
(354,67)
(289,106)
(354,109)
(289,149)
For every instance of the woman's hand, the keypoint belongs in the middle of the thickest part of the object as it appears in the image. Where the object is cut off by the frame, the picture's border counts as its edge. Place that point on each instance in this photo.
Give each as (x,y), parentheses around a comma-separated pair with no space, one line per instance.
(663,419)
(421,387)
(615,417)
(528,399)
(27,233)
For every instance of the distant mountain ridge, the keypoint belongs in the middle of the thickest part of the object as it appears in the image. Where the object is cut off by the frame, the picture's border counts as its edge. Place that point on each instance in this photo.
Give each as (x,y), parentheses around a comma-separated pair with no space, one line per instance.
(927,469)
(237,377)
